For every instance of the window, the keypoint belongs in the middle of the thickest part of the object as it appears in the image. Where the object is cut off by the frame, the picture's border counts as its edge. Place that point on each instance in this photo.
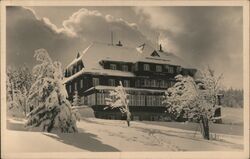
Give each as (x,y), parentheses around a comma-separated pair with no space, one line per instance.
(113,66)
(158,68)
(136,67)
(75,70)
(75,86)
(70,89)
(146,83)
(91,99)
(129,100)
(153,83)
(162,83)
(95,81)
(81,83)
(169,69)
(136,100)
(152,100)
(178,69)
(111,82)
(133,98)
(101,99)
(172,83)
(167,84)
(68,72)
(146,67)
(161,98)
(137,83)
(126,83)
(125,68)
(79,67)
(149,100)
(158,101)
(141,100)
(71,71)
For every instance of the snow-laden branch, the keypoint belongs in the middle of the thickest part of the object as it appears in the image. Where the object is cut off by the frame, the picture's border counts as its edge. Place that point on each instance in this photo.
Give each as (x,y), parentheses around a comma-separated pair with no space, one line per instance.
(47,97)
(118,98)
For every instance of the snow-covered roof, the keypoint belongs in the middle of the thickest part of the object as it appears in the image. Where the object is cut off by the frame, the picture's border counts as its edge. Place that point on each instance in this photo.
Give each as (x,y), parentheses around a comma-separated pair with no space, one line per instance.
(99,72)
(101,87)
(97,52)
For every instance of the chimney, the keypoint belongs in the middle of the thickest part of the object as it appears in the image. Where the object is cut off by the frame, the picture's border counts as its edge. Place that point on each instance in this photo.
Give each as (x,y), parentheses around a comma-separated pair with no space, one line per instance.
(161,48)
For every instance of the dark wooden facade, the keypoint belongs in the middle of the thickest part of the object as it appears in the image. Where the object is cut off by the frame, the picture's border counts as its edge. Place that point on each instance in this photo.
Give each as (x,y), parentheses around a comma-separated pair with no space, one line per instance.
(151,79)
(145,82)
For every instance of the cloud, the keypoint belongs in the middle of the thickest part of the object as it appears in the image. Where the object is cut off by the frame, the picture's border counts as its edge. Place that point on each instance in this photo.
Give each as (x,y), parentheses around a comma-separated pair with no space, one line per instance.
(195,28)
(92,25)
(27,32)
(201,35)
(161,18)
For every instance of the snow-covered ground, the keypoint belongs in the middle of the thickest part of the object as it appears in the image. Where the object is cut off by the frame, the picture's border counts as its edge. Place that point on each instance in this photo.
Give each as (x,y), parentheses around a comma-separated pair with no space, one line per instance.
(114,135)
(232,116)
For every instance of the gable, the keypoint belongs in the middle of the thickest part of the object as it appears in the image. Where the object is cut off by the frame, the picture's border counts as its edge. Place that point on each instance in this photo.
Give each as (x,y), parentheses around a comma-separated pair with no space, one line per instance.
(154,53)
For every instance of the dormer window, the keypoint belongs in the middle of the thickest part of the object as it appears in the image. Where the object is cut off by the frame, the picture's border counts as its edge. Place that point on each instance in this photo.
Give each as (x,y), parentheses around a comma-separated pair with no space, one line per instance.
(146,67)
(125,68)
(154,53)
(158,68)
(113,66)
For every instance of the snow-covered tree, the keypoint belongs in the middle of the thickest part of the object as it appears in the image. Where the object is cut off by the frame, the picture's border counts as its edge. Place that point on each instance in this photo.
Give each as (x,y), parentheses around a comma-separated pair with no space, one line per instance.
(47,96)
(210,83)
(118,98)
(186,99)
(76,99)
(19,81)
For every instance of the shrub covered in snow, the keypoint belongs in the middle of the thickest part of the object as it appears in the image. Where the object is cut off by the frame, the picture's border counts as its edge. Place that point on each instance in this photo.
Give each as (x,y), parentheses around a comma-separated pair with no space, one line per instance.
(118,98)
(47,97)
(18,83)
(192,101)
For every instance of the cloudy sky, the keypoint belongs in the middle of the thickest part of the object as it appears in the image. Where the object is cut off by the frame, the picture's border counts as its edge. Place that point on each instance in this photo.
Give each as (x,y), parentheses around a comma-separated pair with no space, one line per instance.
(201,35)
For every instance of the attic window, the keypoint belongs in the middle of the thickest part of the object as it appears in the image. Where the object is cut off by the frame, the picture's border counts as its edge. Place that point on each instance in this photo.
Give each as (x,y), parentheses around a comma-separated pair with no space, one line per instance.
(124,68)
(154,53)
(113,66)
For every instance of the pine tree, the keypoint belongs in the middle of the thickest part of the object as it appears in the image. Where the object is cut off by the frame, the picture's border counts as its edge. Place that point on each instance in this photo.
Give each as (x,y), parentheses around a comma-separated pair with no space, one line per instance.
(48,96)
(186,99)
(119,99)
